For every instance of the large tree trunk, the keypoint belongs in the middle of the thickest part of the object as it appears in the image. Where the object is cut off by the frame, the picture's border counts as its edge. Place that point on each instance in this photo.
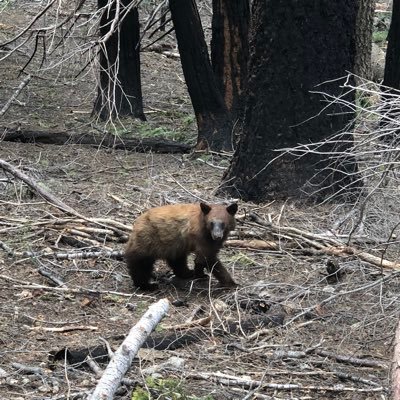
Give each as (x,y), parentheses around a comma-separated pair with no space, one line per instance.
(391,81)
(294,48)
(230,50)
(213,120)
(363,39)
(119,90)
(392,66)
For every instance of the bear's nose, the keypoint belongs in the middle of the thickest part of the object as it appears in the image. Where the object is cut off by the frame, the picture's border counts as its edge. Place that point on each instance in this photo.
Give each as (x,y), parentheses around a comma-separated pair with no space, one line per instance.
(217,231)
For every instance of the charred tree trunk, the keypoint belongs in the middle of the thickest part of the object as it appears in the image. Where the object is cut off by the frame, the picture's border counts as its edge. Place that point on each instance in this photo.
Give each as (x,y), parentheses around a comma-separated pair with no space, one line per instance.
(392,65)
(363,41)
(391,81)
(119,90)
(230,50)
(213,120)
(293,49)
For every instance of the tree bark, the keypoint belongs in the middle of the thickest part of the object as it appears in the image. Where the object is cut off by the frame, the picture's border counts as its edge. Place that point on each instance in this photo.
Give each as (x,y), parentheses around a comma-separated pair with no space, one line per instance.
(395,370)
(119,89)
(293,49)
(392,65)
(363,40)
(230,50)
(213,120)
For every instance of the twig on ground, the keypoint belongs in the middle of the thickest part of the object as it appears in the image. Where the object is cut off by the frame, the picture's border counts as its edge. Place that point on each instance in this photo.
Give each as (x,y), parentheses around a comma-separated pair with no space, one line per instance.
(50,275)
(63,328)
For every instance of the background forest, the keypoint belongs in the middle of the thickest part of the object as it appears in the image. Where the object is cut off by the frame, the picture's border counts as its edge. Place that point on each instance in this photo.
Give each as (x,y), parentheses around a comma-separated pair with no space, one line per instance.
(108,109)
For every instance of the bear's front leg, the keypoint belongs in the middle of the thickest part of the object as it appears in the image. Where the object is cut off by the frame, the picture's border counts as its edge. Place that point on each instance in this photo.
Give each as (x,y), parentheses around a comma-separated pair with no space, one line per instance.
(214,265)
(180,268)
(221,273)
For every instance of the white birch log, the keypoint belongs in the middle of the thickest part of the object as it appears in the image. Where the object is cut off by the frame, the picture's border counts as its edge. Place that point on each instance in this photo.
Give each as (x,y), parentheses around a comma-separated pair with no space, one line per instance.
(122,360)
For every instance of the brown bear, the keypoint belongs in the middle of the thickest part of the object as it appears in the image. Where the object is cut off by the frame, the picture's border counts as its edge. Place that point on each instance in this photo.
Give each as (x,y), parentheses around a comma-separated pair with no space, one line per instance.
(171,233)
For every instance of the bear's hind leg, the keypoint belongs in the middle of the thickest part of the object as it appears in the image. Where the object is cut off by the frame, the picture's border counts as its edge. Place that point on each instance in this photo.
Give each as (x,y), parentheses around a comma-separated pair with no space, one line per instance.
(180,268)
(141,269)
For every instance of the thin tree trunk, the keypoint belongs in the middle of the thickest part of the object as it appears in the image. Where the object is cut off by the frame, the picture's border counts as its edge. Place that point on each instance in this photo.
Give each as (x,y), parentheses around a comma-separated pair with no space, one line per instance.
(213,120)
(230,50)
(119,90)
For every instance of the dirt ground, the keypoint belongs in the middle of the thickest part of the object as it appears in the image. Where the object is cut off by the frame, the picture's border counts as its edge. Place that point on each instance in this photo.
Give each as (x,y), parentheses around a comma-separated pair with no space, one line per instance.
(323,339)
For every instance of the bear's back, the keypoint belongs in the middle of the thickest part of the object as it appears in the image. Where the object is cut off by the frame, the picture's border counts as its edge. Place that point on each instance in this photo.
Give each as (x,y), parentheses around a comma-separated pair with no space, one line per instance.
(166,231)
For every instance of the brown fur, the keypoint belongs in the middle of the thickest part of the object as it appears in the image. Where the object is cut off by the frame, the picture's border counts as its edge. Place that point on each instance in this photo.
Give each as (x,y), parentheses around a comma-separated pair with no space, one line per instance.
(173,232)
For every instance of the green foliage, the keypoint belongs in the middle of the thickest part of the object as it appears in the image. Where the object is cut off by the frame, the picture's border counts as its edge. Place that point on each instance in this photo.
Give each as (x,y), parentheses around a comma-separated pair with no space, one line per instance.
(5,3)
(164,389)
(146,130)
(365,100)
(242,259)
(379,36)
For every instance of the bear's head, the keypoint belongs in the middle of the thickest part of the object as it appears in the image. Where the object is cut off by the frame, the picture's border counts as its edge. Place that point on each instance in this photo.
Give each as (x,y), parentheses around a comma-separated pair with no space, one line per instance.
(219,219)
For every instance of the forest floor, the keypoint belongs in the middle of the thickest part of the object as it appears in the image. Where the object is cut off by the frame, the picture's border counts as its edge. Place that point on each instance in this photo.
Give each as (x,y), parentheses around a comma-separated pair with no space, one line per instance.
(287,332)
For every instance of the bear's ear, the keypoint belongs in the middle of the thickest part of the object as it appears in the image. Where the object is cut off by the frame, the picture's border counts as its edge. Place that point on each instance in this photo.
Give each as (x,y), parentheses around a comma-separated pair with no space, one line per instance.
(232,209)
(205,208)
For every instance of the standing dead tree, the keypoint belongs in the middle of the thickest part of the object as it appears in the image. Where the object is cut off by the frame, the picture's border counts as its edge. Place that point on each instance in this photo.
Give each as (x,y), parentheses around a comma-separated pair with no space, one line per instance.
(213,120)
(119,86)
(82,39)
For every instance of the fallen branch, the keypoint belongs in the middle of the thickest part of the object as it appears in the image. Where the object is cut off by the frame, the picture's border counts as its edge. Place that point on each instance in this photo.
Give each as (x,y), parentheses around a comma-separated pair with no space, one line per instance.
(344,293)
(255,244)
(28,369)
(123,357)
(23,83)
(359,362)
(229,380)
(73,255)
(28,285)
(38,189)
(63,328)
(325,244)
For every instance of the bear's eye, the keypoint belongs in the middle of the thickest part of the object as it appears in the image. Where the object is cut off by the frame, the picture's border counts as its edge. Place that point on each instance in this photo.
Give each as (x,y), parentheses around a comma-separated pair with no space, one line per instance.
(212,225)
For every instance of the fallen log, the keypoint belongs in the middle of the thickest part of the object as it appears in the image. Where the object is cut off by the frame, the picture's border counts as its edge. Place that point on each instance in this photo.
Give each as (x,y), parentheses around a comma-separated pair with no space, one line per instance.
(123,357)
(142,145)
